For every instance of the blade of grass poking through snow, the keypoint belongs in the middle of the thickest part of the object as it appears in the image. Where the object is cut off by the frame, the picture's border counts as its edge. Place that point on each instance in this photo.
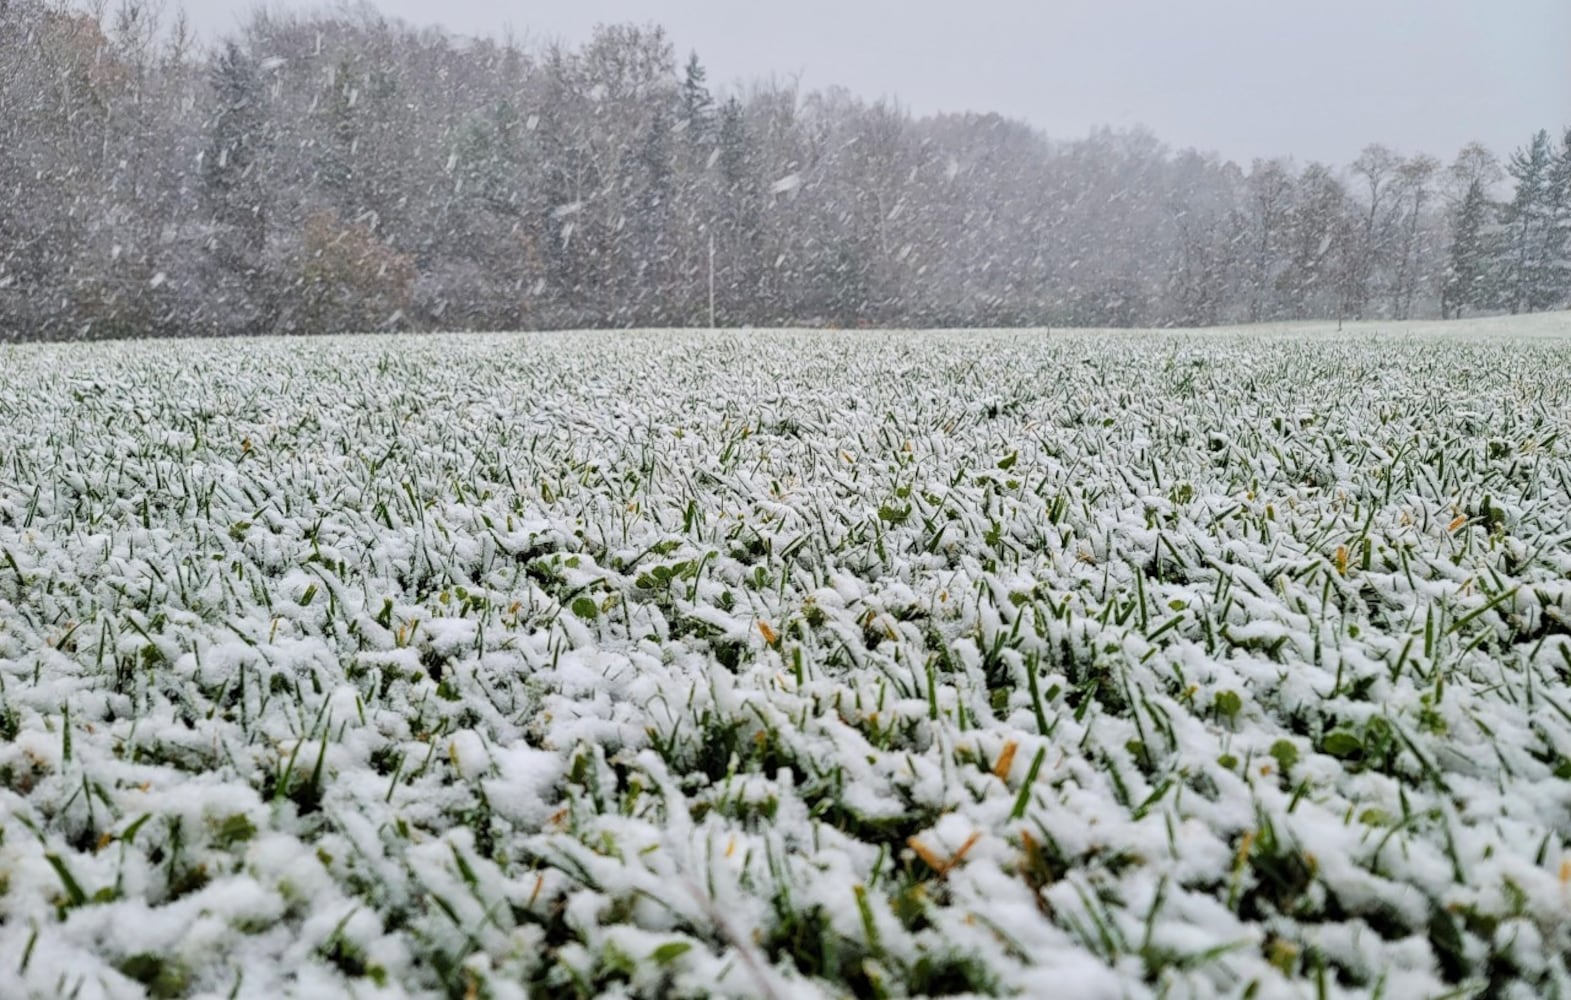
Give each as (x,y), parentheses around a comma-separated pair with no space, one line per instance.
(1033,667)
(10,560)
(869,923)
(1493,603)
(73,890)
(1023,799)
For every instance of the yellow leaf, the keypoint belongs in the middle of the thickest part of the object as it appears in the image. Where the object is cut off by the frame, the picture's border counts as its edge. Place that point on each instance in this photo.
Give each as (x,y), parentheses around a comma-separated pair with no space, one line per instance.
(1244,847)
(1454,525)
(942,866)
(1341,559)
(771,637)
(932,860)
(1006,760)
(965,849)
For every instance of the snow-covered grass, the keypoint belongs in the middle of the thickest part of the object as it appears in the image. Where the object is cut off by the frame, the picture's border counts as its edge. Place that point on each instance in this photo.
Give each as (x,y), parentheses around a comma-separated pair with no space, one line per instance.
(789,665)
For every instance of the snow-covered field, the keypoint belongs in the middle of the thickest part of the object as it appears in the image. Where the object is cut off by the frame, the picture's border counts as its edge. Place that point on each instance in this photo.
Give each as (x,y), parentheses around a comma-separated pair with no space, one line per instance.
(789,665)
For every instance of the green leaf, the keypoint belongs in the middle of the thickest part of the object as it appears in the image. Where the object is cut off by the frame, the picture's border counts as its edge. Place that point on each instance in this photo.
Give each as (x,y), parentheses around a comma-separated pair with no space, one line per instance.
(586,608)
(618,960)
(1286,754)
(236,829)
(131,831)
(1343,745)
(1229,704)
(893,515)
(1009,463)
(1373,817)
(670,952)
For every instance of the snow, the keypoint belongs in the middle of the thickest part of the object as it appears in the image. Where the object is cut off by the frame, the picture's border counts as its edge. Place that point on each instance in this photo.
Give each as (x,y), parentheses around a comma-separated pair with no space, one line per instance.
(327,666)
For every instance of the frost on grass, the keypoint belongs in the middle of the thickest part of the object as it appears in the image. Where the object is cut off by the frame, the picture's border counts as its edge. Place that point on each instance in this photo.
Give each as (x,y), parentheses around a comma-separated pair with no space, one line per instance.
(788,665)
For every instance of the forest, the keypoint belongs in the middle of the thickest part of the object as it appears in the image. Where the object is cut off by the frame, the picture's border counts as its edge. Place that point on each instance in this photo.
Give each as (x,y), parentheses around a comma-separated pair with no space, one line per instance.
(340,171)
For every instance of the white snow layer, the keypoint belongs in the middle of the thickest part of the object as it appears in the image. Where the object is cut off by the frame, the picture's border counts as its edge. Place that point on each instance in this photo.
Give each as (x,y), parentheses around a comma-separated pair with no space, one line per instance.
(790,664)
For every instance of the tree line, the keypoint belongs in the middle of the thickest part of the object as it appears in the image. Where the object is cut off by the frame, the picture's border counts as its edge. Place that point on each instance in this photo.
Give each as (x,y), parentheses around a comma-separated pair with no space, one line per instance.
(342,171)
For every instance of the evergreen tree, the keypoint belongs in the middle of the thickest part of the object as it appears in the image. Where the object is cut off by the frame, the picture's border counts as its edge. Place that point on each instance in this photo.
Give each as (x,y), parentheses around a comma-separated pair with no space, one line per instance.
(1526,271)
(1313,242)
(230,182)
(1197,287)
(739,223)
(1467,272)
(697,103)
(236,192)
(734,157)
(654,174)
(1270,191)
(479,241)
(488,159)
(1558,250)
(336,158)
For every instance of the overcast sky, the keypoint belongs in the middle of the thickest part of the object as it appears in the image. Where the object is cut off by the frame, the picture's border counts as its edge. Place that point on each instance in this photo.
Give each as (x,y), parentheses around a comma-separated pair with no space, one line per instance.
(1317,79)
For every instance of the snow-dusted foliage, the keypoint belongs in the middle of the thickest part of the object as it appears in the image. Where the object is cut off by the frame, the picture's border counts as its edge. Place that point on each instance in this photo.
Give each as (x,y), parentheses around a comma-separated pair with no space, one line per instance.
(788,665)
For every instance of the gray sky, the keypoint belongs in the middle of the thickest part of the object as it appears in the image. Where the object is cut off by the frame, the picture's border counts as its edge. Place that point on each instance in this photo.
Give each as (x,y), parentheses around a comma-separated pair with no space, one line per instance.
(1317,79)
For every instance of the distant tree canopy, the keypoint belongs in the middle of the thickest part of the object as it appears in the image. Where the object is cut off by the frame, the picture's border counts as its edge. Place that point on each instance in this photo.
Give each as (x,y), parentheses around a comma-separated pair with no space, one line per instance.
(341,171)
